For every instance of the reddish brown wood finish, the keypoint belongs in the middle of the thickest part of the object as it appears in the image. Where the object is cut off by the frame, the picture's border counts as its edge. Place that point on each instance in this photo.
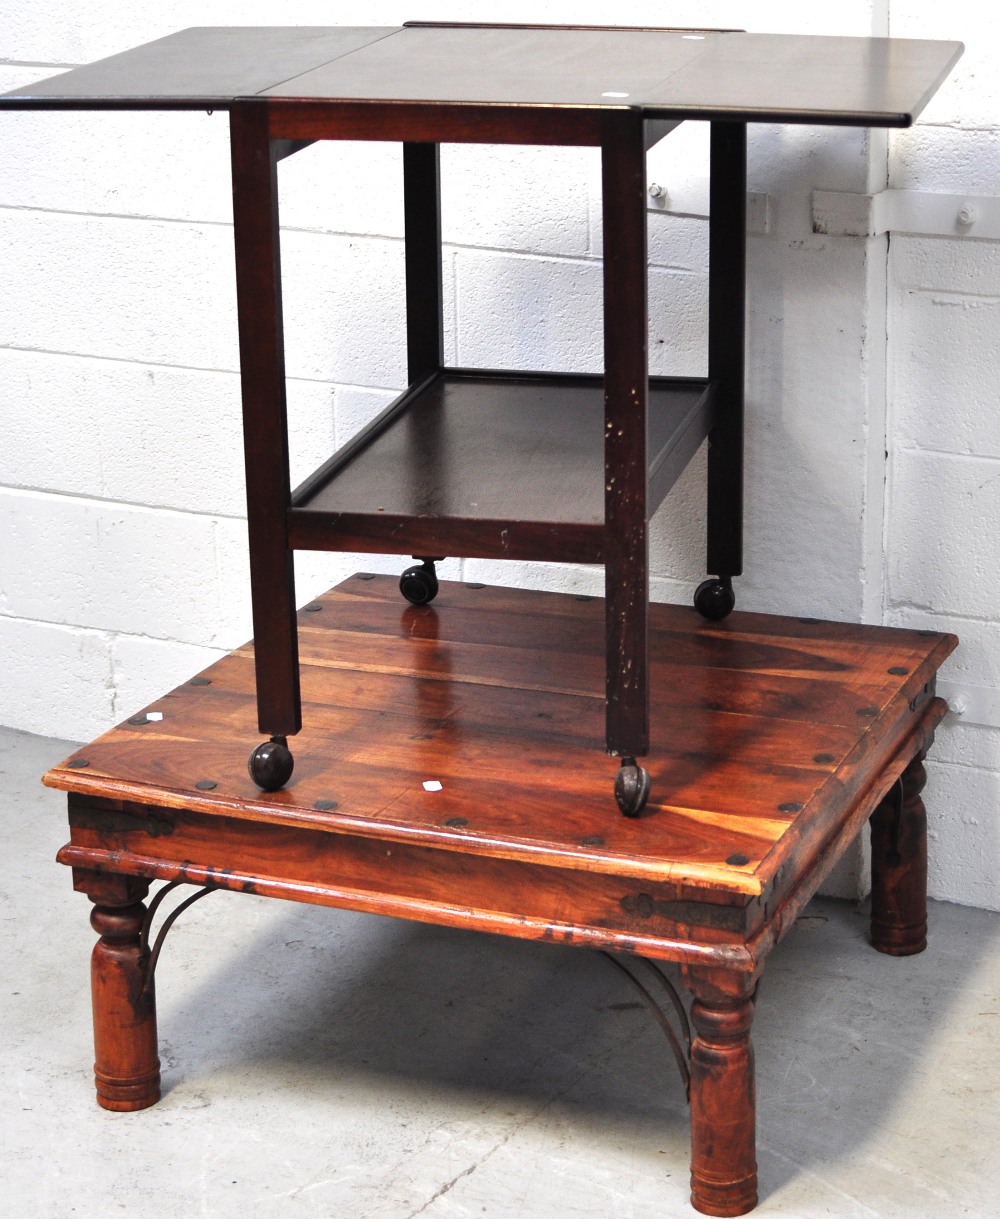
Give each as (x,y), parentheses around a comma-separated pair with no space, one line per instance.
(265,427)
(433,122)
(626,433)
(126,1066)
(769,736)
(899,866)
(723,1096)
(773,741)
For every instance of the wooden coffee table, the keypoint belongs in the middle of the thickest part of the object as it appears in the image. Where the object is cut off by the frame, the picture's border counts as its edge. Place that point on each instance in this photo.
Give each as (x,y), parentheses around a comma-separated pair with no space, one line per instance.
(452,771)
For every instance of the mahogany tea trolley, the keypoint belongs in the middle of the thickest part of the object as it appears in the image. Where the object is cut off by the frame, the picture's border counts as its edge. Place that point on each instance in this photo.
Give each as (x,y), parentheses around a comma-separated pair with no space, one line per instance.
(447,765)
(482,462)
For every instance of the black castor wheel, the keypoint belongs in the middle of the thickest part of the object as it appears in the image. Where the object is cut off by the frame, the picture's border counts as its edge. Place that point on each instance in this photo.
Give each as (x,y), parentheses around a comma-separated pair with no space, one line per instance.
(419,584)
(271,764)
(632,787)
(714,598)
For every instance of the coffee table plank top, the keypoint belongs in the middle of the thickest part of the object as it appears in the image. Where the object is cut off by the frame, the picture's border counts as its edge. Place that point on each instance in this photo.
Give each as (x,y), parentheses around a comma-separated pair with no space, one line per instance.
(763,727)
(665,73)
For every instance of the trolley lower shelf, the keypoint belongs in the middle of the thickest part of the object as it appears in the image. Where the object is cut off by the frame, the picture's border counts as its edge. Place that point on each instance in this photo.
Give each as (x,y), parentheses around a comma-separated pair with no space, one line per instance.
(491,465)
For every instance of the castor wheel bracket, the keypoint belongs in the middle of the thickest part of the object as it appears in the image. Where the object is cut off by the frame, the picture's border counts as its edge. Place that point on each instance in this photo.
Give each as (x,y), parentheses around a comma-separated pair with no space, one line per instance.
(419,584)
(714,598)
(632,784)
(271,763)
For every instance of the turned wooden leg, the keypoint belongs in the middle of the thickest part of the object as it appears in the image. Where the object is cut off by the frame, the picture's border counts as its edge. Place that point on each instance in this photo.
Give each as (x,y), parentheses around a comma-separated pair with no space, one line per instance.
(723,1099)
(899,866)
(126,1065)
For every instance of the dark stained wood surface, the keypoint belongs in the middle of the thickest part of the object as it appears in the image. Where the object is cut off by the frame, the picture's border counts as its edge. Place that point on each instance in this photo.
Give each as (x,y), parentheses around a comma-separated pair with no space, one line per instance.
(503,448)
(668,74)
(766,734)
(628,440)
(796,78)
(424,271)
(899,866)
(265,428)
(516,66)
(723,1103)
(784,78)
(727,290)
(205,66)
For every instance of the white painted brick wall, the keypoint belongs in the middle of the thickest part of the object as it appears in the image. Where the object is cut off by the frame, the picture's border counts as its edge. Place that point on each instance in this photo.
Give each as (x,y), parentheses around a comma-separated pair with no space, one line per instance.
(56,675)
(122,567)
(943,489)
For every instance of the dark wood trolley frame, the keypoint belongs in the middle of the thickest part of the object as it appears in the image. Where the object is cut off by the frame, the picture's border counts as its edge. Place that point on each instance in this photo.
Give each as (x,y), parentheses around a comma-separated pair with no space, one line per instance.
(431,83)
(637,474)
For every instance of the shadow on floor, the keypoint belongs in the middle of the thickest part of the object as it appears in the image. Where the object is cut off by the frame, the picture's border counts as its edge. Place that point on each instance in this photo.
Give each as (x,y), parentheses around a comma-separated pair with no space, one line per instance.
(328,995)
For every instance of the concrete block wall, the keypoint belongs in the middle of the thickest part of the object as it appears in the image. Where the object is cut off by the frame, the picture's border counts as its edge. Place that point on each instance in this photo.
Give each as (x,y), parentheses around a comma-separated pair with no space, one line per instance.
(942,533)
(122,567)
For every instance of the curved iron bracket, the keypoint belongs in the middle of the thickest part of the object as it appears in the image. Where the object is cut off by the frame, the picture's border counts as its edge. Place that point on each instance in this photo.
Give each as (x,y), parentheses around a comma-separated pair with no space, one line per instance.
(151,956)
(680,1044)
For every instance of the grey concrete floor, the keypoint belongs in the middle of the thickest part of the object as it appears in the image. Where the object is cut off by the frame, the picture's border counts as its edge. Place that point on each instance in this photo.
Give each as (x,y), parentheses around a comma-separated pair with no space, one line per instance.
(322,1063)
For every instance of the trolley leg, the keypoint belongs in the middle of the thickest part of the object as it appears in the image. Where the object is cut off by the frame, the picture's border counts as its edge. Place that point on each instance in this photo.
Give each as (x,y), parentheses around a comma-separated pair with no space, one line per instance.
(422,228)
(626,393)
(265,429)
(726,343)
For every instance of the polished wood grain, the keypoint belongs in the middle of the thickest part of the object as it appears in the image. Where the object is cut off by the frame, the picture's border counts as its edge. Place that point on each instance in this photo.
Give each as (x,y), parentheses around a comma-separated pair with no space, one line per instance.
(302,118)
(766,733)
(899,866)
(773,741)
(723,1094)
(126,1066)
